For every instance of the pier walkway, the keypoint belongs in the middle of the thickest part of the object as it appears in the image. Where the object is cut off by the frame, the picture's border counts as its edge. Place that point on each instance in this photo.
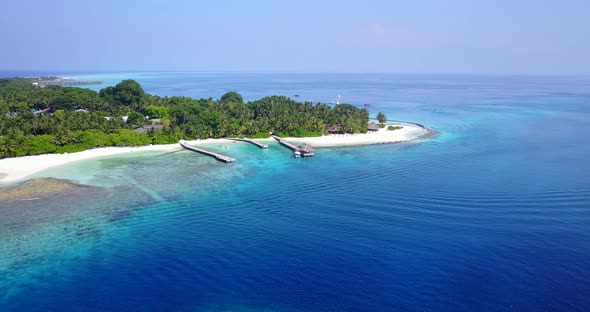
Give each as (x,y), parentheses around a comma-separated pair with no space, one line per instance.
(285,143)
(219,157)
(263,146)
(304,150)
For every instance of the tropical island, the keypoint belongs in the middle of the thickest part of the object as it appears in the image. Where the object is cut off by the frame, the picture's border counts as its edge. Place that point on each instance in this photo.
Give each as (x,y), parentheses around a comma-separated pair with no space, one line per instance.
(54,119)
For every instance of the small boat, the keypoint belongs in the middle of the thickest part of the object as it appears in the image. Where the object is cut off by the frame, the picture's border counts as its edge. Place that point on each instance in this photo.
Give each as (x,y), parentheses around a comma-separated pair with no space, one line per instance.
(296,95)
(367,104)
(297,154)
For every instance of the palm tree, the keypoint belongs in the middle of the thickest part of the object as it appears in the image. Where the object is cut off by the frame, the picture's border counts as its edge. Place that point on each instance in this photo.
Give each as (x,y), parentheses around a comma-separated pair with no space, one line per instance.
(381,118)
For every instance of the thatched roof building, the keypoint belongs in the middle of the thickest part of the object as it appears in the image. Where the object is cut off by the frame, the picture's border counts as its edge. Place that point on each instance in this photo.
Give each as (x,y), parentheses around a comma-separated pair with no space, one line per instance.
(373,127)
(334,129)
(306,148)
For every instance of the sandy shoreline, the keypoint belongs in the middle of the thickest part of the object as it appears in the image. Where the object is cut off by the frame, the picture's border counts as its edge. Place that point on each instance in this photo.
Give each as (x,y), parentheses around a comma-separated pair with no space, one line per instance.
(20,168)
(383,136)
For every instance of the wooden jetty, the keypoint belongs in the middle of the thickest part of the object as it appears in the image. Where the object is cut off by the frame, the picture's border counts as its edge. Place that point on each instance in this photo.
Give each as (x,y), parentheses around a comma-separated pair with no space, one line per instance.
(304,150)
(263,146)
(219,157)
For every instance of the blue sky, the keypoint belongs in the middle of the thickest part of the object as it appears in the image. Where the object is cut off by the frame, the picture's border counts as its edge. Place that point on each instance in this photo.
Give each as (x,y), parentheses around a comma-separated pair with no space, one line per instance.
(419,36)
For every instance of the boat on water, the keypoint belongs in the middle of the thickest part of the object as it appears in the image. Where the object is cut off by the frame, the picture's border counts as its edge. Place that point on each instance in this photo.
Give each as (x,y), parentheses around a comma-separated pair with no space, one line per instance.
(297,154)
(296,95)
(367,104)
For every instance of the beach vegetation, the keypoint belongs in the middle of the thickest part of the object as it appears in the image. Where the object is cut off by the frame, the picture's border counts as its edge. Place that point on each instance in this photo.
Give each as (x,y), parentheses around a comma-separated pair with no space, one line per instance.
(35,120)
(391,128)
(300,133)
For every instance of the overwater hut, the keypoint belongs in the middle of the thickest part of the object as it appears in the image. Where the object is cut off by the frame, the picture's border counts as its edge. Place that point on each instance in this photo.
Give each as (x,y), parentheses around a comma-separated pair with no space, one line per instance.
(373,127)
(305,150)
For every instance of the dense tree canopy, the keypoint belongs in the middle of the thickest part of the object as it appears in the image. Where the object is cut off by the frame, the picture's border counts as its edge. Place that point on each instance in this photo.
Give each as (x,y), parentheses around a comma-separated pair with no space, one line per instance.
(126,93)
(37,120)
(232,97)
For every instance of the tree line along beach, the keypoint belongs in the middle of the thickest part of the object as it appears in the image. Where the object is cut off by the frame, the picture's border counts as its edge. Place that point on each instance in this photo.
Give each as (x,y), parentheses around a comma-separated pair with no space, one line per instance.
(46,127)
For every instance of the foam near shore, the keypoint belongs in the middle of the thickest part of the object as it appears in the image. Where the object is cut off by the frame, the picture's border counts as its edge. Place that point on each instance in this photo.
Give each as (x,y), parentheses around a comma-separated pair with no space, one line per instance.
(20,168)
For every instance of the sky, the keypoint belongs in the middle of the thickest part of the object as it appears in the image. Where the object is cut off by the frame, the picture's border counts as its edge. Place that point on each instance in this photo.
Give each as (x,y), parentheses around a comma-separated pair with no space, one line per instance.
(389,36)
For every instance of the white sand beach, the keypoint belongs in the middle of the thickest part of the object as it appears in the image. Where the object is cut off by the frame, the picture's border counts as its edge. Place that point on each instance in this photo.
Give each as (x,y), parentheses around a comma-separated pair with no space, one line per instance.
(409,132)
(20,168)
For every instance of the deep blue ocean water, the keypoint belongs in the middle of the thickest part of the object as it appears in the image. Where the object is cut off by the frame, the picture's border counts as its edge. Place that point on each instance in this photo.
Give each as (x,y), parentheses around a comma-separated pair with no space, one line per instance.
(492,214)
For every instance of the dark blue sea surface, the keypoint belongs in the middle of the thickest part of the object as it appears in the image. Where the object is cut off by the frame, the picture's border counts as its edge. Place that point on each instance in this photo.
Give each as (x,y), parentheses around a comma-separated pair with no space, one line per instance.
(492,214)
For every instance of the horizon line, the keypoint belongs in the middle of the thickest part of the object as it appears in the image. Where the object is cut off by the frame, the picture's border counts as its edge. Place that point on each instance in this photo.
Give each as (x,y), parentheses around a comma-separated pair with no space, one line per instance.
(129,71)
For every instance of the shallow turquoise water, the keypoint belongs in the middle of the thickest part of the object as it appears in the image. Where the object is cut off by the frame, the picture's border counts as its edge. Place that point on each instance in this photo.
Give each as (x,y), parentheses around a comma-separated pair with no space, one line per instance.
(490,215)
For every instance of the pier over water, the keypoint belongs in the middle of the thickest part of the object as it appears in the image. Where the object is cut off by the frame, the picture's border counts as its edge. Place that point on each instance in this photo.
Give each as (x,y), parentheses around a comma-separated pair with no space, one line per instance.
(304,150)
(263,146)
(219,157)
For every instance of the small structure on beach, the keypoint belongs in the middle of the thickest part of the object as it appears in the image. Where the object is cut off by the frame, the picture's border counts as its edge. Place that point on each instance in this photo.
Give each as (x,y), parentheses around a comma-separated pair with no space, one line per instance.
(334,129)
(373,127)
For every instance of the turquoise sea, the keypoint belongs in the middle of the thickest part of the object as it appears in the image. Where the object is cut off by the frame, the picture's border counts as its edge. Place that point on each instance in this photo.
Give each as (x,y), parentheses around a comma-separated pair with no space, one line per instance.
(492,214)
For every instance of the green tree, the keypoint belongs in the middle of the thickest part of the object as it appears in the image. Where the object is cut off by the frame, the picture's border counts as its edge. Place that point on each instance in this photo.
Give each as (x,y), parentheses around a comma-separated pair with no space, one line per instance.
(381,118)
(64,137)
(60,113)
(13,143)
(231,97)
(126,92)
(157,111)
(136,119)
(3,108)
(165,122)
